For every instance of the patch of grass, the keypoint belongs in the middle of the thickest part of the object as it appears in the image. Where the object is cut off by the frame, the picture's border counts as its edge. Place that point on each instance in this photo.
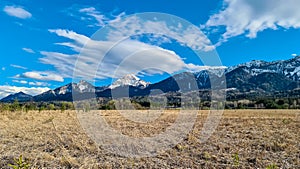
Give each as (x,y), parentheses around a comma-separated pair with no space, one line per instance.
(236,159)
(206,156)
(49,120)
(286,121)
(179,147)
(20,163)
(272,166)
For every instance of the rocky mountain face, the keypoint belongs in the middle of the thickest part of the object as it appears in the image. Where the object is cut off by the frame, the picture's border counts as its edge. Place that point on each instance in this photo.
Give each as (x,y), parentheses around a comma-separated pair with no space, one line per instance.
(266,76)
(288,68)
(251,78)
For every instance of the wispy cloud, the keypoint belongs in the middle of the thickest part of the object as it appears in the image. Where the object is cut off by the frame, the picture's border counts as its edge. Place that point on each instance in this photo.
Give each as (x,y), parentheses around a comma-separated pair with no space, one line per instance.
(294,54)
(28,50)
(38,84)
(129,56)
(20,81)
(92,12)
(249,17)
(96,18)
(32,83)
(122,26)
(18,12)
(81,39)
(18,66)
(7,90)
(186,35)
(63,63)
(197,68)
(47,76)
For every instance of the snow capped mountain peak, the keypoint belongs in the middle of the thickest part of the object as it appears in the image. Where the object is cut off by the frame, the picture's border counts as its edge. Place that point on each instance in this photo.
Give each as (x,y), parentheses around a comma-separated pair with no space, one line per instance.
(130,76)
(81,87)
(254,63)
(251,64)
(82,82)
(64,89)
(84,86)
(129,80)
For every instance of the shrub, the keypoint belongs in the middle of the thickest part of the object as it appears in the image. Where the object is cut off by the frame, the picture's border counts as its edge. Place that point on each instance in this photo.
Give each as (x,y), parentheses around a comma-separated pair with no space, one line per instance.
(20,163)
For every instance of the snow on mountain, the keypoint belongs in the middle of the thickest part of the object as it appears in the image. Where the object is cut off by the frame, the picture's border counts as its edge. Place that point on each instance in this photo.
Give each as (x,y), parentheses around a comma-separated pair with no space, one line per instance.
(204,77)
(255,75)
(84,86)
(289,68)
(65,92)
(81,87)
(253,63)
(216,70)
(64,89)
(129,80)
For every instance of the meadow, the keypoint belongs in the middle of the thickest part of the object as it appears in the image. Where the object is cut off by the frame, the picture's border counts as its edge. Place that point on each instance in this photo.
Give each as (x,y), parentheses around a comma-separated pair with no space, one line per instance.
(243,139)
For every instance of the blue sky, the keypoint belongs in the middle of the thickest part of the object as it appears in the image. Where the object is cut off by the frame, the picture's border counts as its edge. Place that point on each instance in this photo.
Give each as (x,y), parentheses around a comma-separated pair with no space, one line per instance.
(41,41)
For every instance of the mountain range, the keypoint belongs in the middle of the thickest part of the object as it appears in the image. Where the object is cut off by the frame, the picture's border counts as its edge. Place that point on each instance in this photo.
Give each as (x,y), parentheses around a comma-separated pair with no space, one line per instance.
(251,79)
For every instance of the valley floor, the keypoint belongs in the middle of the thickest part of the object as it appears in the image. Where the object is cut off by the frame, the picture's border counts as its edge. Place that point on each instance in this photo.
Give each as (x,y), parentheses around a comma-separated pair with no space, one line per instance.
(243,139)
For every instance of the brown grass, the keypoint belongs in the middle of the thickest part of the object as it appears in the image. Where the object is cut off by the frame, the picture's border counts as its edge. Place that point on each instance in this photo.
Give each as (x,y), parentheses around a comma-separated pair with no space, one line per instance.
(54,139)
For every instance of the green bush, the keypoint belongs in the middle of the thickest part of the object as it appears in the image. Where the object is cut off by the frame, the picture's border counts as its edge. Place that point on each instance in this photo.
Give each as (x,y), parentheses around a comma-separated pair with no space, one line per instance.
(20,163)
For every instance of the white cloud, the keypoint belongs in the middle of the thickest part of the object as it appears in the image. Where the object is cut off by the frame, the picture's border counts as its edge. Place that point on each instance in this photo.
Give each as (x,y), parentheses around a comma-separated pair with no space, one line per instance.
(18,12)
(3,68)
(252,16)
(39,84)
(28,50)
(128,56)
(49,76)
(133,57)
(294,55)
(91,11)
(91,14)
(7,90)
(122,26)
(197,68)
(18,66)
(186,35)
(32,83)
(81,39)
(88,10)
(20,81)
(63,63)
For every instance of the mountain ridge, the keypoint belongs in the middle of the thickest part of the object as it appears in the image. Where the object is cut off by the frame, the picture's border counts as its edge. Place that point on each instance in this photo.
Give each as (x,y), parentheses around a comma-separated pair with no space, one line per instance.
(20,96)
(256,75)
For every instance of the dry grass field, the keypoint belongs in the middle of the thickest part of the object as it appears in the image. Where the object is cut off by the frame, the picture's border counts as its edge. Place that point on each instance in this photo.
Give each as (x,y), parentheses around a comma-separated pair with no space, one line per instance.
(243,139)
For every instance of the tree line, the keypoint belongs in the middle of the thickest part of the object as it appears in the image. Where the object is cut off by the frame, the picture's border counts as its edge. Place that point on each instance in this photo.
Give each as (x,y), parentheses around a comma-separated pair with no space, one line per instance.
(37,106)
(144,103)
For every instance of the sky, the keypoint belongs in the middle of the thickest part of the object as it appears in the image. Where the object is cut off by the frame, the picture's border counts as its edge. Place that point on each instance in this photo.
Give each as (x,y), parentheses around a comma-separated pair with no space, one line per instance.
(48,44)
